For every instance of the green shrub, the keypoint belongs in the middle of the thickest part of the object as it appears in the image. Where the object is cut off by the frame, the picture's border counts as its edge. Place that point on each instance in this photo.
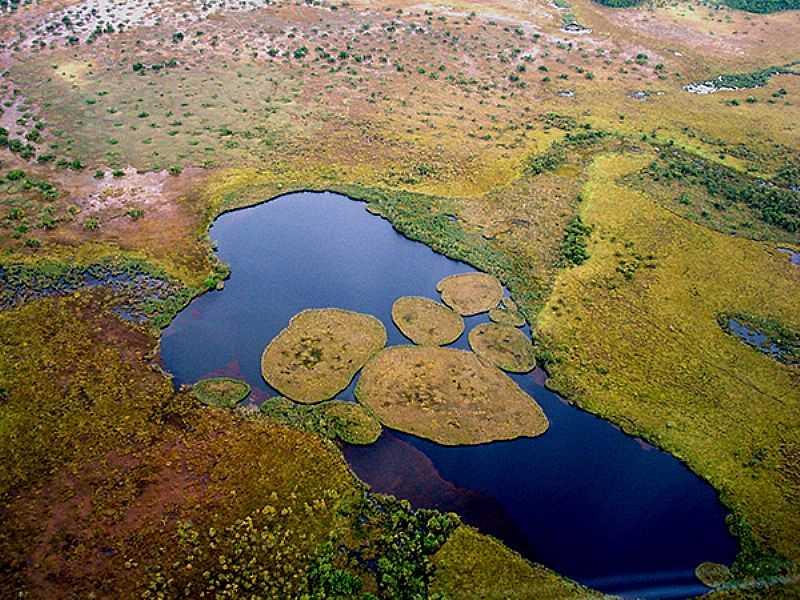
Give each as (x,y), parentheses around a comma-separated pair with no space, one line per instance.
(619,3)
(574,245)
(774,204)
(762,6)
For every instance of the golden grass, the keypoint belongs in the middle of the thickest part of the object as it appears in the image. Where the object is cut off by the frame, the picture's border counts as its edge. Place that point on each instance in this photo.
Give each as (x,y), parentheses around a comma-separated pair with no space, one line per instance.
(470,293)
(642,347)
(448,396)
(504,346)
(320,351)
(426,322)
(473,566)
(505,316)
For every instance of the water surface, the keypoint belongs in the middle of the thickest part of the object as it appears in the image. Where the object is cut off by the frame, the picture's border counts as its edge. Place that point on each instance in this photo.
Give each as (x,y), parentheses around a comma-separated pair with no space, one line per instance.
(584,498)
(794,256)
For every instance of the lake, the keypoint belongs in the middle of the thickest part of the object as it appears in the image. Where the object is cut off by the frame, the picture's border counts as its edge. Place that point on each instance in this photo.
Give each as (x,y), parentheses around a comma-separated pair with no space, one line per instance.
(584,499)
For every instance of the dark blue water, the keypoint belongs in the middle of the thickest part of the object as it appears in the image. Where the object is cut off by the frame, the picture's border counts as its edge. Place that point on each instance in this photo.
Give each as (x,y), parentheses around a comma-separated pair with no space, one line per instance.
(753,337)
(584,499)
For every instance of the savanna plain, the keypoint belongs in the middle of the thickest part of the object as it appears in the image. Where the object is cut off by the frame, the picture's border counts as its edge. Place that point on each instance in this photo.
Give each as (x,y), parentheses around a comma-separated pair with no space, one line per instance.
(624,175)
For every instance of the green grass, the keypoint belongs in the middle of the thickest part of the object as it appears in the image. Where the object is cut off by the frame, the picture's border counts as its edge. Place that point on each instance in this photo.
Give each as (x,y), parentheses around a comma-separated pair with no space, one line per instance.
(222,392)
(472,566)
(667,371)
(350,422)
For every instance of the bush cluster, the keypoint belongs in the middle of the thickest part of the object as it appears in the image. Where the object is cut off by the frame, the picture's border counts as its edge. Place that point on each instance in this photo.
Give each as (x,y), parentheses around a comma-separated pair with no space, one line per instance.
(773,204)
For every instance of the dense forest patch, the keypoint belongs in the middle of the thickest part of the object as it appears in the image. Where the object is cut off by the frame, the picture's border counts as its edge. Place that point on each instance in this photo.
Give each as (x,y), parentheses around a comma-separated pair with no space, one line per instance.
(763,6)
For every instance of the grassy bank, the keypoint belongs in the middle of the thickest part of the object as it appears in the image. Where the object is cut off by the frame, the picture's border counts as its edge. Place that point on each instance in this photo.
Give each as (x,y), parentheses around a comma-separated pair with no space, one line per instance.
(637,341)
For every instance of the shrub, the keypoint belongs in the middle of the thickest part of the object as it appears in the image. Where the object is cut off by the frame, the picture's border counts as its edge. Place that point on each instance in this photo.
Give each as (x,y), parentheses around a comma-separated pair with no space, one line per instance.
(763,6)
(574,246)
(774,204)
(619,3)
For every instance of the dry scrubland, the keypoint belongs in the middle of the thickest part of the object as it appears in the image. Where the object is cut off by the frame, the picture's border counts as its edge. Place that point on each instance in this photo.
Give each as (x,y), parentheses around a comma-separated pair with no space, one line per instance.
(624,214)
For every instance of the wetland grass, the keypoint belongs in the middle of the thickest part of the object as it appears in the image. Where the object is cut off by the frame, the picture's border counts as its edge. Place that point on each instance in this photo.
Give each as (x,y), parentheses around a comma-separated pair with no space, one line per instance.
(320,351)
(470,293)
(425,322)
(222,392)
(448,396)
(350,422)
(504,346)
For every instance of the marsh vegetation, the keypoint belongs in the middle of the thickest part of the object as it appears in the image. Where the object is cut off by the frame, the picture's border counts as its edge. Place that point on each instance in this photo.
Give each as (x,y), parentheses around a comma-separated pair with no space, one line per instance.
(426,322)
(316,356)
(448,396)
